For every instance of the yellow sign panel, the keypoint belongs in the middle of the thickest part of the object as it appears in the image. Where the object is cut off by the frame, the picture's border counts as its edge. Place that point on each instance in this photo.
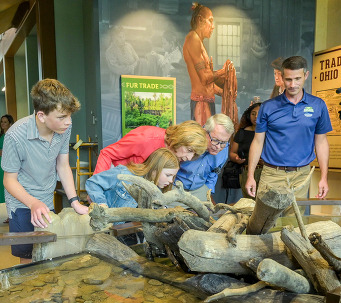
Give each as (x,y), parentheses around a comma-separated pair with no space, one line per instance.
(326,81)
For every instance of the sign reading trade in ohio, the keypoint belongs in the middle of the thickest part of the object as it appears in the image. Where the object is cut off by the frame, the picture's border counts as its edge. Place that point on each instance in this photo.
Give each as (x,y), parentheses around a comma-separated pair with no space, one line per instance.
(147,101)
(326,80)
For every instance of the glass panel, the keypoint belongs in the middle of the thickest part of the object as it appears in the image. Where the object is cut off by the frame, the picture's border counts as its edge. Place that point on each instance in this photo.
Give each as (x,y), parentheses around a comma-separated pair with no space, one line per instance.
(225,30)
(219,50)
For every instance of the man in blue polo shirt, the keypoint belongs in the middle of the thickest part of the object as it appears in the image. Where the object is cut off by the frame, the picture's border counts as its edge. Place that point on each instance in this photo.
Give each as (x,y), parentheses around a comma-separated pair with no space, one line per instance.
(288,129)
(200,175)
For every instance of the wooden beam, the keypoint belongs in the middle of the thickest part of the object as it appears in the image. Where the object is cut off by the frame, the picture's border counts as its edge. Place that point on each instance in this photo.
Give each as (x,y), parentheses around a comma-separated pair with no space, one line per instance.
(11,103)
(21,33)
(46,39)
(126,228)
(27,237)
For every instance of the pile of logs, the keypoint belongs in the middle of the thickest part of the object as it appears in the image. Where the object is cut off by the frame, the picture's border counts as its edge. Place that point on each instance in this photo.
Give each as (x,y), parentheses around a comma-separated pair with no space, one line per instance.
(285,261)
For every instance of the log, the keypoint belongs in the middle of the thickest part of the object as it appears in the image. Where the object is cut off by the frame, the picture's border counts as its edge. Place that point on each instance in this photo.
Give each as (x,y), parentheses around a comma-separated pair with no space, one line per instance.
(270,203)
(101,217)
(280,276)
(177,194)
(320,274)
(211,252)
(326,252)
(229,219)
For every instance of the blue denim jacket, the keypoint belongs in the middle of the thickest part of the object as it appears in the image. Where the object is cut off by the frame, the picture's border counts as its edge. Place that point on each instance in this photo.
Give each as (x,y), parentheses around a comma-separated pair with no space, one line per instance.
(105,188)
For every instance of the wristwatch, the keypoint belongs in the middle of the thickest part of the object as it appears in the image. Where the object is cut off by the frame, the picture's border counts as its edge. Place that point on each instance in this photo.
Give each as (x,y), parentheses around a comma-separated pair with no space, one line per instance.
(74,199)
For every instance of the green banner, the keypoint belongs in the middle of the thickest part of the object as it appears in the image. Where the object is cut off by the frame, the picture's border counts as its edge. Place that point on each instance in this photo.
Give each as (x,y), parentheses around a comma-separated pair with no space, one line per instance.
(147,101)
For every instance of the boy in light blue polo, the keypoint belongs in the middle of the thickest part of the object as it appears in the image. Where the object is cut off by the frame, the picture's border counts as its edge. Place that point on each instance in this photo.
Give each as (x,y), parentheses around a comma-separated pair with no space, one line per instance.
(36,149)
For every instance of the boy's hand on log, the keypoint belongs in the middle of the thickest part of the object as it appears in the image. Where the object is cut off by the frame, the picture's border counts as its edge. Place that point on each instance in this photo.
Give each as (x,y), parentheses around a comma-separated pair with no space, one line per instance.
(39,210)
(79,208)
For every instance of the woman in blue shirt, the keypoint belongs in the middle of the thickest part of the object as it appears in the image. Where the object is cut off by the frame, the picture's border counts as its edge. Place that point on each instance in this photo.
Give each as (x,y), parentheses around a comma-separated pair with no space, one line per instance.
(105,189)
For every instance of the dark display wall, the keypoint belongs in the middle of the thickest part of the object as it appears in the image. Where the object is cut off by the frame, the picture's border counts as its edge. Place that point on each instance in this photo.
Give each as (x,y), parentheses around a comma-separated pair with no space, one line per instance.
(146,37)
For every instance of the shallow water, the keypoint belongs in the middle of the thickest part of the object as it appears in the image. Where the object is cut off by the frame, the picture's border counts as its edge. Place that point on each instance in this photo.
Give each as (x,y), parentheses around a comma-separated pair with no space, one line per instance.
(83,278)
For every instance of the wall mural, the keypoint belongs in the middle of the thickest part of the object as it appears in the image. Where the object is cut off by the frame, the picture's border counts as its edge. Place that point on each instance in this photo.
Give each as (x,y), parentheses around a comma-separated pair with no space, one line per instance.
(146,37)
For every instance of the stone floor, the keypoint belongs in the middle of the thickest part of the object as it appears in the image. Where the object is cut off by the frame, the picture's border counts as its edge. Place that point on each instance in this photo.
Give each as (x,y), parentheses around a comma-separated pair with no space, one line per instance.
(6,259)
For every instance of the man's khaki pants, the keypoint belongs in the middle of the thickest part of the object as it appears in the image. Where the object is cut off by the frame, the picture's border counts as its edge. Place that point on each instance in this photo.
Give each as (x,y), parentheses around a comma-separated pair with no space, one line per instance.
(280,178)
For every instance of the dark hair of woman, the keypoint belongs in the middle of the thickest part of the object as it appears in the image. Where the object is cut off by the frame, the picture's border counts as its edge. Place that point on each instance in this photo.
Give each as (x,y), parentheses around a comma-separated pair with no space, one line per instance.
(10,120)
(245,120)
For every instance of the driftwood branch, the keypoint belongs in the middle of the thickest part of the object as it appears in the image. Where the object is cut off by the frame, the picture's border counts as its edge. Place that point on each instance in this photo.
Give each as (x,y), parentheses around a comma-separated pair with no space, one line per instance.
(228,220)
(326,252)
(177,194)
(228,292)
(237,229)
(100,217)
(320,274)
(295,206)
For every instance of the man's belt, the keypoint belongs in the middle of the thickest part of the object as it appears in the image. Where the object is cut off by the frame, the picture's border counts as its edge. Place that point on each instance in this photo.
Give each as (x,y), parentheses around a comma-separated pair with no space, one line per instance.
(285,168)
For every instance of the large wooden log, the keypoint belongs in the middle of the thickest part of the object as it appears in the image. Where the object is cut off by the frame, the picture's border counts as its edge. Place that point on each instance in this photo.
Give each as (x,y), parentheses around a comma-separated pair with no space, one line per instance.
(270,203)
(100,217)
(320,274)
(211,252)
(280,276)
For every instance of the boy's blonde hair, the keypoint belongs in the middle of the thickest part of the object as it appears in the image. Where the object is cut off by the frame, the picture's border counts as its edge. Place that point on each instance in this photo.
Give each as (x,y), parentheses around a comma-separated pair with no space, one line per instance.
(50,94)
(156,162)
(189,134)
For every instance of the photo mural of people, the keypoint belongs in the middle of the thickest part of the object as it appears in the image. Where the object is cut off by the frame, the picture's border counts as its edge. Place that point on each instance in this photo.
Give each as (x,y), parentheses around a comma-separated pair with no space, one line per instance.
(121,56)
(200,65)
(154,31)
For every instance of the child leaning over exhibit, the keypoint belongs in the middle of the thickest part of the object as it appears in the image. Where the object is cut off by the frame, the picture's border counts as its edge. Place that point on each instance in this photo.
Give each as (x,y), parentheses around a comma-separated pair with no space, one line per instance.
(36,150)
(105,189)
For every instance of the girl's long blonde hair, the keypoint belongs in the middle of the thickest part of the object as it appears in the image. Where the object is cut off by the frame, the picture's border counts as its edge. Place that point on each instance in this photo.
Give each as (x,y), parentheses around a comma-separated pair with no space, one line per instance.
(156,162)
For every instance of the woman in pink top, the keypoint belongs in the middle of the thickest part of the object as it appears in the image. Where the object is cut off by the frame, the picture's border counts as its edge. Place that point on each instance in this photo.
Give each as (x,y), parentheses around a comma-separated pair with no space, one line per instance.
(186,140)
